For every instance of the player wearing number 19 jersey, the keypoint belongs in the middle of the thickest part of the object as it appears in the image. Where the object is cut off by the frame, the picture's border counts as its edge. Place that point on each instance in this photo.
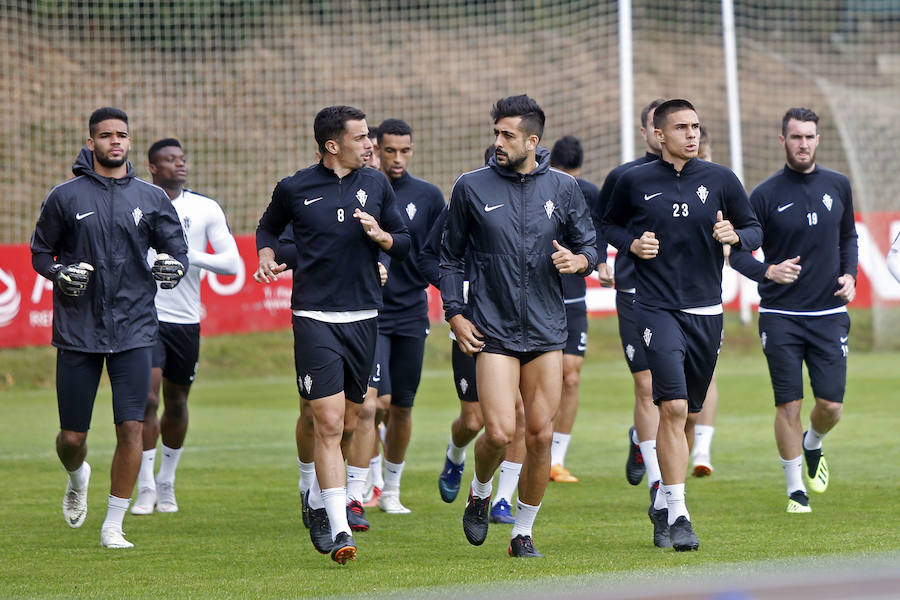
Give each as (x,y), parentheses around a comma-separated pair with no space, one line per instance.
(808,277)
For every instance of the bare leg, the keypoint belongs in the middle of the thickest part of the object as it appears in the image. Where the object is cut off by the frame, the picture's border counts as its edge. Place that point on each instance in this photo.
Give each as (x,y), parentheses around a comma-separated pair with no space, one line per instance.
(541,390)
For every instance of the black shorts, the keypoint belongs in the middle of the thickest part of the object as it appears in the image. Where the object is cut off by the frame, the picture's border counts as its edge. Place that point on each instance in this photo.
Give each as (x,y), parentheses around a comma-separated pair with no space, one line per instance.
(333,357)
(380,377)
(463,374)
(78,375)
(682,350)
(492,347)
(176,351)
(577,324)
(821,341)
(628,333)
(399,361)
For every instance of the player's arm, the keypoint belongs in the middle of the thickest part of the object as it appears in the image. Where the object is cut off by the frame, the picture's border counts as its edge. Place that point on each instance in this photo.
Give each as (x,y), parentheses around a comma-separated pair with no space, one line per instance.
(271,225)
(579,254)
(225,259)
(430,256)
(168,239)
(849,249)
(391,234)
(45,240)
(738,218)
(616,220)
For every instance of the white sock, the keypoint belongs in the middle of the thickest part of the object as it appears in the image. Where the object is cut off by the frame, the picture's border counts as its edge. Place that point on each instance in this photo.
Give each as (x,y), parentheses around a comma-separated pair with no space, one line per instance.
(115,512)
(507,481)
(525,514)
(168,463)
(559,447)
(703,435)
(307,475)
(659,501)
(376,477)
(675,501)
(813,439)
(145,475)
(482,490)
(392,474)
(314,500)
(648,452)
(356,483)
(456,454)
(79,477)
(335,500)
(793,474)
(634,437)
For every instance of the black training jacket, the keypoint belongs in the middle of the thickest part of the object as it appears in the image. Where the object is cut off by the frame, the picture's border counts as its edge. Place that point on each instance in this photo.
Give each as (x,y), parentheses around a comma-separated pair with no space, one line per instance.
(337,263)
(506,222)
(110,224)
(680,208)
(809,215)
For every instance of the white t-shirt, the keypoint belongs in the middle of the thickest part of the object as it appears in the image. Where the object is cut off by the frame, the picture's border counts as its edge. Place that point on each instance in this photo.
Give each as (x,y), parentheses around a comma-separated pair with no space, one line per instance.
(203,222)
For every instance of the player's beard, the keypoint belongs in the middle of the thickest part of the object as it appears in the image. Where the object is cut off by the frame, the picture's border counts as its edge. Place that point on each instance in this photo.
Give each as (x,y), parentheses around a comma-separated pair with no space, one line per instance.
(513,163)
(798,166)
(109,163)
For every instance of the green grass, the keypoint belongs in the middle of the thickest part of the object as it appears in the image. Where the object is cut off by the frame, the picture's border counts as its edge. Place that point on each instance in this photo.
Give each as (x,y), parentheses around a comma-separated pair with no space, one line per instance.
(239,534)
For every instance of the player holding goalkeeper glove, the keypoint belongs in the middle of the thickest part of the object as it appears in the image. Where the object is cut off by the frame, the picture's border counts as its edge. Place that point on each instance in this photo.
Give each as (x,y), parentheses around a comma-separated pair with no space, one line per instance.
(91,240)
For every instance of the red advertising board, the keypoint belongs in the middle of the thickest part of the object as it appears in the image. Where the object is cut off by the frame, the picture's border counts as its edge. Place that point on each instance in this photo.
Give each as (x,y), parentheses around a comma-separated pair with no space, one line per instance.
(239,304)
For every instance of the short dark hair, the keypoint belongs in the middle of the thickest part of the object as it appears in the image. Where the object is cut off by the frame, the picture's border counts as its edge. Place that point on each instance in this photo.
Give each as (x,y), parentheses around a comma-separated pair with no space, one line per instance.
(567,153)
(798,114)
(645,112)
(373,133)
(159,145)
(704,135)
(104,114)
(394,127)
(532,114)
(331,122)
(663,111)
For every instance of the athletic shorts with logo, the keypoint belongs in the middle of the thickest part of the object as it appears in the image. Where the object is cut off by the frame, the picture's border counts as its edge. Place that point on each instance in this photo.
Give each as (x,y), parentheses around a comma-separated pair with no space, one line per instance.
(821,341)
(397,369)
(577,325)
(632,345)
(682,350)
(333,357)
(78,376)
(176,351)
(463,374)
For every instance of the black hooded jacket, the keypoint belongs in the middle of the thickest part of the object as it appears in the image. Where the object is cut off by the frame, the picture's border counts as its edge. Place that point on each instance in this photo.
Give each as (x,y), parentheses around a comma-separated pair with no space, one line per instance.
(503,223)
(110,224)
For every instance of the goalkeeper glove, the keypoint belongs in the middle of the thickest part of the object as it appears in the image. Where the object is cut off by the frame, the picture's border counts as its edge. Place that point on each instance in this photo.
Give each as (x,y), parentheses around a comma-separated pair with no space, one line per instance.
(167,271)
(73,279)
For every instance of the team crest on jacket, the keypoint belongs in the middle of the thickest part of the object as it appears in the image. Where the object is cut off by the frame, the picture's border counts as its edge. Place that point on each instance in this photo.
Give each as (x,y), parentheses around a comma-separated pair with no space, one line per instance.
(548,208)
(463,385)
(647,335)
(702,193)
(137,214)
(361,196)
(411,210)
(827,201)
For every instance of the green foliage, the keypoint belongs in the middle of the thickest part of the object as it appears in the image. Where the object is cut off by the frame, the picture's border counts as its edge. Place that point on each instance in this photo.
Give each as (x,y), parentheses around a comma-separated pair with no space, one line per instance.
(239,533)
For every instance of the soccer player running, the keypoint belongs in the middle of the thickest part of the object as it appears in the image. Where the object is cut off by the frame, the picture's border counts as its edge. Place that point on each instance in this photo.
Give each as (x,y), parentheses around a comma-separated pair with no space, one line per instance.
(402,324)
(178,345)
(642,435)
(91,240)
(805,283)
(567,155)
(519,223)
(341,216)
(673,214)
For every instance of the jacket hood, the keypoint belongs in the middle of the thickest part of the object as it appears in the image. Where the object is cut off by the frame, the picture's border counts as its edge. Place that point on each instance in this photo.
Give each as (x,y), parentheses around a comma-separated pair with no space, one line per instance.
(84,165)
(542,156)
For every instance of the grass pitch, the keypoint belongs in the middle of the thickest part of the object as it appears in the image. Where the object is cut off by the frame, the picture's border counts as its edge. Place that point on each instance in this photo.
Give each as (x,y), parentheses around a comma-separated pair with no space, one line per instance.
(239,534)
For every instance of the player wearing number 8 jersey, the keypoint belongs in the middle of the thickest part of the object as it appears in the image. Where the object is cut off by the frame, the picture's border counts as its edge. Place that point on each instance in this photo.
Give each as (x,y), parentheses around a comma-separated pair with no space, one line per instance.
(674,214)
(341,216)
(808,277)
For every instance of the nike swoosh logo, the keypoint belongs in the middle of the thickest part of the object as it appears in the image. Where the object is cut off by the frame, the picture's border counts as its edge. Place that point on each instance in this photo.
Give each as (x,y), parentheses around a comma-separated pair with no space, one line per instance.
(376,379)
(844,340)
(785,207)
(582,348)
(488,208)
(652,196)
(307,202)
(80,216)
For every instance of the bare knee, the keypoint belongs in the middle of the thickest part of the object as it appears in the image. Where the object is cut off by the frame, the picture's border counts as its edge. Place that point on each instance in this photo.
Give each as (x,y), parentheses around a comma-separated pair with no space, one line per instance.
(789,411)
(673,411)
(497,437)
(72,440)
(833,410)
(571,380)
